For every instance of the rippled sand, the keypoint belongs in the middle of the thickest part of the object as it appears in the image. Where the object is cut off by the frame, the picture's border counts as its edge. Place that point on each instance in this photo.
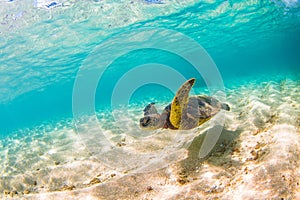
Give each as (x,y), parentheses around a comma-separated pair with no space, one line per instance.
(256,157)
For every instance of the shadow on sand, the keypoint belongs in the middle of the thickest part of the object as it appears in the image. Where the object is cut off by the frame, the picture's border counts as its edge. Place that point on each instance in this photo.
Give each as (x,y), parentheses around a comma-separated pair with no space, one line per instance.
(220,154)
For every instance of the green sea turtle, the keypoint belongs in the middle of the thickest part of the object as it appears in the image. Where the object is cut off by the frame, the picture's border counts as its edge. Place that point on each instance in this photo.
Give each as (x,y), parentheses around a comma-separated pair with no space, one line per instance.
(184,112)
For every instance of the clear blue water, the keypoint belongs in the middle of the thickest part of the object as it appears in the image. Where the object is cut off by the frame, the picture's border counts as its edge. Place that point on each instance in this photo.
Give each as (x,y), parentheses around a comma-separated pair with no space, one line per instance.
(43,46)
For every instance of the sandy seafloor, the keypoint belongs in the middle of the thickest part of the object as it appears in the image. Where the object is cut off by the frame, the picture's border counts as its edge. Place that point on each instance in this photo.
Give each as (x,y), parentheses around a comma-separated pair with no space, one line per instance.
(256,157)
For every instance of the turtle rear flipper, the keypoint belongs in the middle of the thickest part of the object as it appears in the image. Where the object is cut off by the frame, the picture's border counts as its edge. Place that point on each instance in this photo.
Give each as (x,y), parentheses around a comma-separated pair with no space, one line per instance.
(180,103)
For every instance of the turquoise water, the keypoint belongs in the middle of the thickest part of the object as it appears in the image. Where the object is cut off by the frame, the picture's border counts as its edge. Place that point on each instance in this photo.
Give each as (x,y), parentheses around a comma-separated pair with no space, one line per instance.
(42,49)
(75,77)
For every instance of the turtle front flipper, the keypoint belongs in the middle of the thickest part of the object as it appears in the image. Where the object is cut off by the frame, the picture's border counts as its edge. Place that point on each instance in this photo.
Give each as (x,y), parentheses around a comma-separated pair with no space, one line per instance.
(150,109)
(151,120)
(180,103)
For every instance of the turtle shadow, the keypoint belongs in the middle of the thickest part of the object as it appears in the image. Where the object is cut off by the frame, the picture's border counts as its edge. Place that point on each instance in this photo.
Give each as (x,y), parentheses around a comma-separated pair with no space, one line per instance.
(220,154)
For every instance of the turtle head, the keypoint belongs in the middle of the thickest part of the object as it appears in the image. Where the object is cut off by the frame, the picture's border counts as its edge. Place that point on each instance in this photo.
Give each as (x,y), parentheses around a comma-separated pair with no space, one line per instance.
(150,122)
(151,119)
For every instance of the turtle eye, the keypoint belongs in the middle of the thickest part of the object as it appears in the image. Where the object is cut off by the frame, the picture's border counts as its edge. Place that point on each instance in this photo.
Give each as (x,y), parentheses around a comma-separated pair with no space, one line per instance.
(147,120)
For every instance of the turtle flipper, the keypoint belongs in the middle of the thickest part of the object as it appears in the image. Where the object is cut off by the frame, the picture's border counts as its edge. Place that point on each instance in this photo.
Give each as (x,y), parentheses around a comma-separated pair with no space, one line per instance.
(180,103)
(151,120)
(150,109)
